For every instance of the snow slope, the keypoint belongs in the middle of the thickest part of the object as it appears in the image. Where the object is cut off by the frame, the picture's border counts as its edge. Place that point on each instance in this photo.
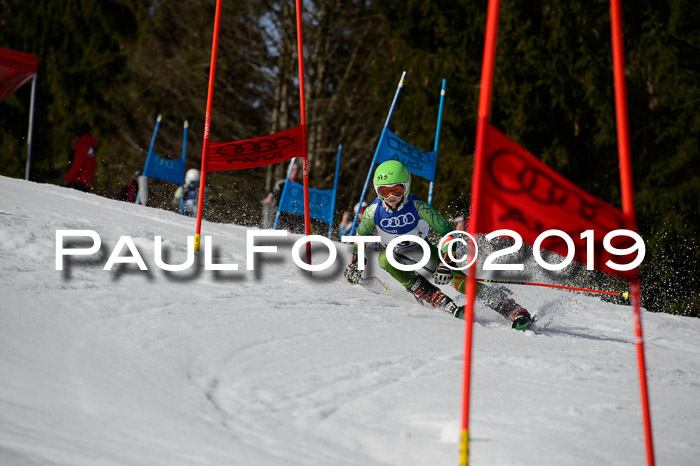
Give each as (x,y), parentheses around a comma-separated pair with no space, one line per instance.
(131,367)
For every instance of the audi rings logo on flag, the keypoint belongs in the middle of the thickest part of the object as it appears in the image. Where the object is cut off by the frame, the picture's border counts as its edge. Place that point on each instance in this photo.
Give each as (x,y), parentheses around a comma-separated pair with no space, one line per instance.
(406,149)
(417,161)
(317,197)
(398,221)
(320,201)
(254,147)
(547,190)
(257,152)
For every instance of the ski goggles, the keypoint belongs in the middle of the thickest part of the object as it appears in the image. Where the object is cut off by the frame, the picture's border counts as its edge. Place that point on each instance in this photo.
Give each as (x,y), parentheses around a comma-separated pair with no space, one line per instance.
(396,190)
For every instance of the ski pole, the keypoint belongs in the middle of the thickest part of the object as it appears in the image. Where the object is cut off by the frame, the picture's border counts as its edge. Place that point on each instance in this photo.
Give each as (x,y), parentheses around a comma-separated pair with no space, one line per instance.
(386,288)
(381,283)
(624,294)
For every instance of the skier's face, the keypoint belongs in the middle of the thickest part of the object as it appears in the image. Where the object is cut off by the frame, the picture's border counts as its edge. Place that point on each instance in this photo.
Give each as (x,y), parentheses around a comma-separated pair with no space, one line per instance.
(393,201)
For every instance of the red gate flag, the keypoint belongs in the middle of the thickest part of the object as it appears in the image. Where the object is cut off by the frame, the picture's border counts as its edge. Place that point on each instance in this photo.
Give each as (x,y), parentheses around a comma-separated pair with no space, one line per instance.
(257,152)
(16,68)
(520,193)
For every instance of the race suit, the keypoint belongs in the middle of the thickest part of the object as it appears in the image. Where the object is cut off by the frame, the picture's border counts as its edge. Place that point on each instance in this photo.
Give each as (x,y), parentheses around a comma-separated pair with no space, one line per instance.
(416,217)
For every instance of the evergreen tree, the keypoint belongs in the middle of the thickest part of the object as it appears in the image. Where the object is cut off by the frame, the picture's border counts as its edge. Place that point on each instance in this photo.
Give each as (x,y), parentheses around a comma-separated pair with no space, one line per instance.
(116,64)
(81,46)
(553,93)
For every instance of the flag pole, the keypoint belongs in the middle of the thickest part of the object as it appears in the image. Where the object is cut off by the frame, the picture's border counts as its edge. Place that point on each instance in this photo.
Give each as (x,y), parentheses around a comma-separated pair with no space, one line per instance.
(283,196)
(376,151)
(335,190)
(305,155)
(30,131)
(150,151)
(437,138)
(623,147)
(482,123)
(207,125)
(184,152)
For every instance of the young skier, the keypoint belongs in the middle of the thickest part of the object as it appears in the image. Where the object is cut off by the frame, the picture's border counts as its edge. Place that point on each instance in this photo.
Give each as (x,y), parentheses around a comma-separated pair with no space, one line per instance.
(397,212)
(190,193)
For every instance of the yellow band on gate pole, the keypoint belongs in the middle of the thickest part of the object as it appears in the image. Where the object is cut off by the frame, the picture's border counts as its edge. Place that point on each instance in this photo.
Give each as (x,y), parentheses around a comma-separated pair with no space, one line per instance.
(196,242)
(464,449)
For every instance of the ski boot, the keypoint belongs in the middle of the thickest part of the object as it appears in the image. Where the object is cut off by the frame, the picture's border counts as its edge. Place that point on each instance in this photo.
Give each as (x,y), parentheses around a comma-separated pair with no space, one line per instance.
(516,314)
(426,292)
(522,320)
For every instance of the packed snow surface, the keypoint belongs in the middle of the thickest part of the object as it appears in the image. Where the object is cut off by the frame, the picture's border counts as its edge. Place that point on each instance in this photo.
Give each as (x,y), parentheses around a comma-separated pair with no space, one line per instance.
(277,366)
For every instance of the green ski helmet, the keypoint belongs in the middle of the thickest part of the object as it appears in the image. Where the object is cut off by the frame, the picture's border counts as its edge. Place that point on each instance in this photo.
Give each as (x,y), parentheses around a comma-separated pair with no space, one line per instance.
(392,178)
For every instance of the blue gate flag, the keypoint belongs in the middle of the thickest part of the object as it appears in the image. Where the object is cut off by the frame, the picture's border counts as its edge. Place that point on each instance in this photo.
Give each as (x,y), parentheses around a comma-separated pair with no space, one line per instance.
(391,147)
(320,201)
(172,170)
(165,169)
(418,162)
(376,151)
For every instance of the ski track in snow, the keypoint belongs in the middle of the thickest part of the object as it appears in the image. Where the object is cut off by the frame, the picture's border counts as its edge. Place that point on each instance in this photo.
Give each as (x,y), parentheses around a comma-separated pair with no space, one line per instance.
(278,367)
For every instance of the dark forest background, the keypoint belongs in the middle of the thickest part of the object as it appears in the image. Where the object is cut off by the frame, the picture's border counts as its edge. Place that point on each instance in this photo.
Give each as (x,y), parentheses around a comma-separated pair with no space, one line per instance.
(117,64)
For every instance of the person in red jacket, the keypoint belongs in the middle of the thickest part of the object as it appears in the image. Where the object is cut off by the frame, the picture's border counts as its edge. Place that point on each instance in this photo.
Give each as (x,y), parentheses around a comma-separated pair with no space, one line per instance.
(82,168)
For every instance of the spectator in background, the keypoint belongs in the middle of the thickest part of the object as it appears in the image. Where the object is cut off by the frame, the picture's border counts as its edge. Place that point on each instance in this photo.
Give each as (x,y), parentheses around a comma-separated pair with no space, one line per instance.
(345,224)
(346,219)
(294,223)
(136,188)
(276,193)
(81,171)
(459,223)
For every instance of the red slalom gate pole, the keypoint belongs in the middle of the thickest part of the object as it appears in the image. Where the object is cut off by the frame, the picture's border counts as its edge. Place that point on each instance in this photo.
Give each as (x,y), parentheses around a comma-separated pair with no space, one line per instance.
(305,156)
(487,70)
(207,125)
(623,148)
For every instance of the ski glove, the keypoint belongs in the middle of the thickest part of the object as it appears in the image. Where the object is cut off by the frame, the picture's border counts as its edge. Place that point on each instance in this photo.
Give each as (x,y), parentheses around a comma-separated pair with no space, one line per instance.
(442,275)
(353,274)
